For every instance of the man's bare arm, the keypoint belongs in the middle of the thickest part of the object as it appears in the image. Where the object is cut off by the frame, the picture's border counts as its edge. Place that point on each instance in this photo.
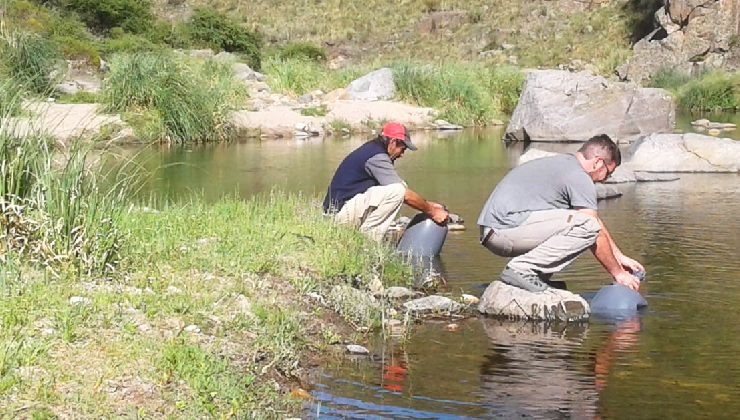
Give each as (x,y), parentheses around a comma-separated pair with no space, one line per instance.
(434,210)
(607,253)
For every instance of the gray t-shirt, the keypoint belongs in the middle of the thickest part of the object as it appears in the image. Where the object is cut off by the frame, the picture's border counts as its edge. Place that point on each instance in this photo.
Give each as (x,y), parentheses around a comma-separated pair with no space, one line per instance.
(554,182)
(381,168)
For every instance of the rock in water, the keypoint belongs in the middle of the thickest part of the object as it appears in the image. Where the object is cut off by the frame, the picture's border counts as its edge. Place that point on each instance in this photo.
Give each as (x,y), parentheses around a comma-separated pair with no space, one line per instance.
(503,300)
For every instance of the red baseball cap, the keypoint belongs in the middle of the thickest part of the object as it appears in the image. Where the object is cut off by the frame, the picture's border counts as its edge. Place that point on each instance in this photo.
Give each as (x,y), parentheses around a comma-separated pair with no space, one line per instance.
(394,130)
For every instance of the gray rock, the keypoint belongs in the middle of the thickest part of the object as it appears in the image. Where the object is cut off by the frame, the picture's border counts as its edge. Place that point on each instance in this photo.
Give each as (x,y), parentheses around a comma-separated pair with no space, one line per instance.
(502,300)
(562,106)
(374,86)
(654,177)
(604,192)
(693,36)
(205,53)
(396,292)
(433,305)
(687,152)
(357,349)
(243,72)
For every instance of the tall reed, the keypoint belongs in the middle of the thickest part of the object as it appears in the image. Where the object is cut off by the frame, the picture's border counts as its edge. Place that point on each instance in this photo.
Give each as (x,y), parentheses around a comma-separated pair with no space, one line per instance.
(55,209)
(192,100)
(29,59)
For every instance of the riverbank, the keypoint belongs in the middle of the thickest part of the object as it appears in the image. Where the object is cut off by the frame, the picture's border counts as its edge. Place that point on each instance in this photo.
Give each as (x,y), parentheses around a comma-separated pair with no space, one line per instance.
(212,310)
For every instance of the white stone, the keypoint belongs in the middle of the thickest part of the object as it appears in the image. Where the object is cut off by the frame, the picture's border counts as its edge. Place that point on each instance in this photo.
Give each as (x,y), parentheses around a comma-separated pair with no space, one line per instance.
(80,301)
(194,329)
(357,349)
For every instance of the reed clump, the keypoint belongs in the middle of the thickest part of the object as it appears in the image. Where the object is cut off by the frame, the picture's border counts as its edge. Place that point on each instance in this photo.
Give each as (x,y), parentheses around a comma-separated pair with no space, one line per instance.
(192,100)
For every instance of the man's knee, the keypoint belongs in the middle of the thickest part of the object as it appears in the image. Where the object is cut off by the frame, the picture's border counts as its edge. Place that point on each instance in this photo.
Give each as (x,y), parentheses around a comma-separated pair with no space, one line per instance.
(393,193)
(586,226)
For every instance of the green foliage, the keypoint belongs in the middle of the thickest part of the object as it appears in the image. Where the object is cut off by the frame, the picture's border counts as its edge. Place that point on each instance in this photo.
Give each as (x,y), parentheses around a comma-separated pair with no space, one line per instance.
(671,79)
(128,43)
(192,100)
(717,91)
(55,207)
(302,50)
(101,16)
(217,387)
(10,97)
(466,95)
(314,111)
(505,85)
(300,76)
(29,59)
(220,32)
(292,235)
(80,97)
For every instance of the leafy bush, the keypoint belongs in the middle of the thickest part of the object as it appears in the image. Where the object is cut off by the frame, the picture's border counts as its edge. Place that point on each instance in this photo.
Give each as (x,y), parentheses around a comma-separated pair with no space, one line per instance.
(302,50)
(133,16)
(216,30)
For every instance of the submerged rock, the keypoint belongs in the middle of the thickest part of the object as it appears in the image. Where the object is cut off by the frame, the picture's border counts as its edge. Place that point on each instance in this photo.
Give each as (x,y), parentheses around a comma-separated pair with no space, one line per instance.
(433,305)
(503,300)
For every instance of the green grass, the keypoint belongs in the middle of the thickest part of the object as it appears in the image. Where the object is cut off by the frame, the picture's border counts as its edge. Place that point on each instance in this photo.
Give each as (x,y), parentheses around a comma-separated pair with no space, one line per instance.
(192,100)
(298,76)
(467,95)
(28,59)
(712,91)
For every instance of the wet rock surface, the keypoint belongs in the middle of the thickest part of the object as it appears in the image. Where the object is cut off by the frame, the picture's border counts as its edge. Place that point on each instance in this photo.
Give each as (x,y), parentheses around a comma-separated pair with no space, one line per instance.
(505,301)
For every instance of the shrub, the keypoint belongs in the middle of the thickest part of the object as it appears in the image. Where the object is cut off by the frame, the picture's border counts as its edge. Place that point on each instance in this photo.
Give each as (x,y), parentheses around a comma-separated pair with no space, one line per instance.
(302,50)
(102,15)
(218,31)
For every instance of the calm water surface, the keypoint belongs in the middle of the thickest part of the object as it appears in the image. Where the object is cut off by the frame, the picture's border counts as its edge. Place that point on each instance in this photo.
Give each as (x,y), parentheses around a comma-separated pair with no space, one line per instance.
(679,359)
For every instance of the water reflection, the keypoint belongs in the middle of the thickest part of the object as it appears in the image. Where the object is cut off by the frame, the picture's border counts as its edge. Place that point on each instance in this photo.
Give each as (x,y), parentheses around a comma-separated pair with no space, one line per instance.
(522,369)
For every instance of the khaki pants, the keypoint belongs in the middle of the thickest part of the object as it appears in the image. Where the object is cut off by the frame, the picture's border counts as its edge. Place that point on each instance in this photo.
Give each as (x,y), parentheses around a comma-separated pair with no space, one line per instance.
(546,242)
(379,207)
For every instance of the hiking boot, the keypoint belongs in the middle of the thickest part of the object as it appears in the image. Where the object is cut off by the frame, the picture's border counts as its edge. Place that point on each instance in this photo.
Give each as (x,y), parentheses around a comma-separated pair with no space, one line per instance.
(527,281)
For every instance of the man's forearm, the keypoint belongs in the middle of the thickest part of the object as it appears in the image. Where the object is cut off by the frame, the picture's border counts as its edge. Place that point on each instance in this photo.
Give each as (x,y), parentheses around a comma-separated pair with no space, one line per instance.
(605,251)
(413,199)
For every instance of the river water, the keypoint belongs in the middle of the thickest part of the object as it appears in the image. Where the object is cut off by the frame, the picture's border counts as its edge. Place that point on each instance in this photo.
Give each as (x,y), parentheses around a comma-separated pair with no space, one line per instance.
(681,358)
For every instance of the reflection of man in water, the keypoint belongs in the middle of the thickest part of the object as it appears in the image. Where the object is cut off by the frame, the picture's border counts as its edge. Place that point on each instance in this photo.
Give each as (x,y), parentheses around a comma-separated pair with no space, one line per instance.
(536,371)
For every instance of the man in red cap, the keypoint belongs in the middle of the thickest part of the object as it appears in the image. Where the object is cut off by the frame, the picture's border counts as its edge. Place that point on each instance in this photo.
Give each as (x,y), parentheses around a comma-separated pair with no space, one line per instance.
(367,192)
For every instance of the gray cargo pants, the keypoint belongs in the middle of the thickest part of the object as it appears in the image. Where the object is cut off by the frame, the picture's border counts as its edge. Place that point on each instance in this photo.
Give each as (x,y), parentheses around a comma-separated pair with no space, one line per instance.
(546,242)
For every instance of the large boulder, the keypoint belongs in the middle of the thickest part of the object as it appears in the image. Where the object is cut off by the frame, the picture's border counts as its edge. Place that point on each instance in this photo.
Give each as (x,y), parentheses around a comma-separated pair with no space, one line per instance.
(558,105)
(692,36)
(687,152)
(503,300)
(377,85)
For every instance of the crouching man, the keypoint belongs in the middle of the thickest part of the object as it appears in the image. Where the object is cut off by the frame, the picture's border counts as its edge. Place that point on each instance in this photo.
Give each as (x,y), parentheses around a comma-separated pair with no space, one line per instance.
(366,190)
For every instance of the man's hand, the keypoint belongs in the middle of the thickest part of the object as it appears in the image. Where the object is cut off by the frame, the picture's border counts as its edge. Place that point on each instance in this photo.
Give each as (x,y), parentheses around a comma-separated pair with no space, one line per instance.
(629,264)
(438,213)
(626,279)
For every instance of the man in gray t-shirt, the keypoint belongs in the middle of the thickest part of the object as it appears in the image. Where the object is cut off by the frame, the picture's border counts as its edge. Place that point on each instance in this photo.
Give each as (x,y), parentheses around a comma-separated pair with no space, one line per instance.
(543,214)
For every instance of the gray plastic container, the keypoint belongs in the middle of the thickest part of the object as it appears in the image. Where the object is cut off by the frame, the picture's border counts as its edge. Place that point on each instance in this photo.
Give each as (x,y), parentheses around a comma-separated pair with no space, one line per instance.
(617,300)
(422,237)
